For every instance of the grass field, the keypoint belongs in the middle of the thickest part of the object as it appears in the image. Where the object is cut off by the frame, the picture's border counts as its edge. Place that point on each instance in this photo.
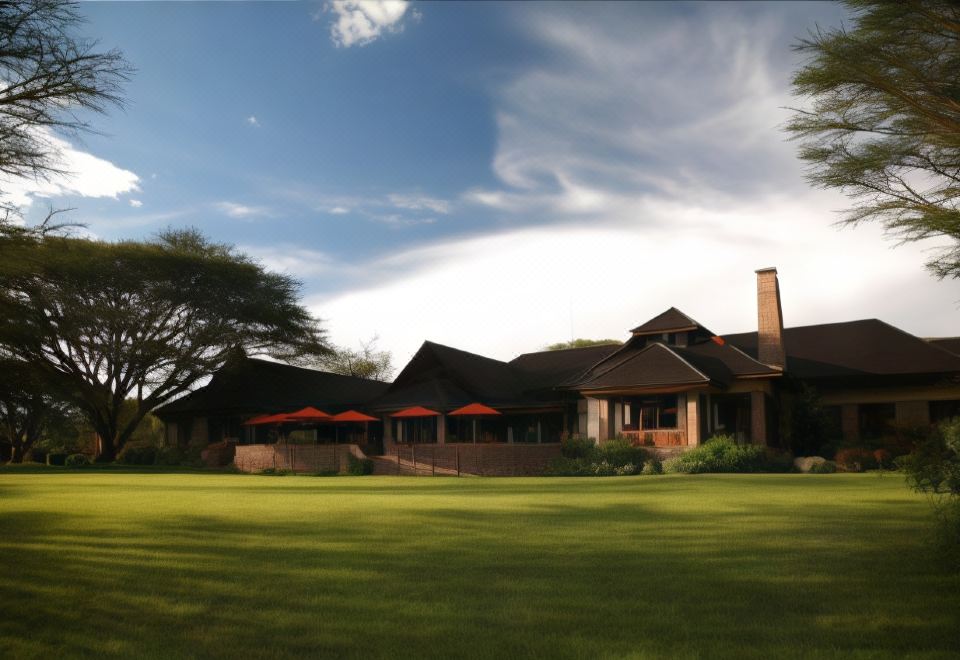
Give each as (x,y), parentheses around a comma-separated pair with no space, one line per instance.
(223,565)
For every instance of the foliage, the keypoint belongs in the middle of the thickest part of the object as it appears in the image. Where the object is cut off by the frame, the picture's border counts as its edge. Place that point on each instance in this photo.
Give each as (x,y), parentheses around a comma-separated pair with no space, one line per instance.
(582,343)
(144,321)
(808,426)
(934,467)
(653,466)
(722,454)
(77,460)
(359,466)
(855,459)
(58,459)
(576,446)
(276,472)
(51,79)
(171,456)
(584,458)
(366,362)
(135,453)
(884,126)
(827,467)
(946,533)
(28,407)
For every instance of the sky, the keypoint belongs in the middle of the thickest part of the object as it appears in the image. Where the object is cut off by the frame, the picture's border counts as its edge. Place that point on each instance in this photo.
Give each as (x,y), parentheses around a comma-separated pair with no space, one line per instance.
(491,176)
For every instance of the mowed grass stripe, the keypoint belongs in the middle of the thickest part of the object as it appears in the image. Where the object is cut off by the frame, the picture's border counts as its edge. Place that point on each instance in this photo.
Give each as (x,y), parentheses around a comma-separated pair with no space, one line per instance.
(220,565)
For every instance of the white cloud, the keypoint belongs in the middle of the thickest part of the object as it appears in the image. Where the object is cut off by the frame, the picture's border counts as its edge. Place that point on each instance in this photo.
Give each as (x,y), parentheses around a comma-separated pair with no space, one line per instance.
(420,203)
(252,121)
(505,294)
(338,210)
(360,22)
(85,175)
(293,260)
(135,203)
(241,211)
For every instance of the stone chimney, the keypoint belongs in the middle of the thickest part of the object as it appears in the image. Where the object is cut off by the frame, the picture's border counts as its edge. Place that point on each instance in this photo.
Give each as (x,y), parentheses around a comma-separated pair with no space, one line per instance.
(770,348)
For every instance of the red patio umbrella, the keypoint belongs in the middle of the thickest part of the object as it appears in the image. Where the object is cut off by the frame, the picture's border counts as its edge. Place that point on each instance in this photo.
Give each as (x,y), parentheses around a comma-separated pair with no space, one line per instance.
(351,417)
(475,410)
(308,414)
(416,412)
(266,419)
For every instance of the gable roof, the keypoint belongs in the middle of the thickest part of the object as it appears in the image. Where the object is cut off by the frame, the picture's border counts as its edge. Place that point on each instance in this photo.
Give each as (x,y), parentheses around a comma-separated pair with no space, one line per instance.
(868,347)
(672,320)
(248,385)
(547,369)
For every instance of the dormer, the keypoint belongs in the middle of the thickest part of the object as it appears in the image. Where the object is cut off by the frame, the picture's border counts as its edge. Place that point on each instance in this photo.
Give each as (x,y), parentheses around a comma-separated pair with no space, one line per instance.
(672,327)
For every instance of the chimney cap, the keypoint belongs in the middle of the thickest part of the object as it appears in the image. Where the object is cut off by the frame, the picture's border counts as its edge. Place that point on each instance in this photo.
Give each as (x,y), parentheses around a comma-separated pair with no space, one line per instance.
(768,269)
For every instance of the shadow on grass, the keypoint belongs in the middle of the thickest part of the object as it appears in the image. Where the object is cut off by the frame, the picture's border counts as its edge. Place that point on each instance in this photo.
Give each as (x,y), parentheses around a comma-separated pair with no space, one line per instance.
(518,568)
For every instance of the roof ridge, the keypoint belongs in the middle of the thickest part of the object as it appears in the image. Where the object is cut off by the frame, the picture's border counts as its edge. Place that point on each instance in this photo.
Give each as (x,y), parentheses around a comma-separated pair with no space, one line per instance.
(284,365)
(564,350)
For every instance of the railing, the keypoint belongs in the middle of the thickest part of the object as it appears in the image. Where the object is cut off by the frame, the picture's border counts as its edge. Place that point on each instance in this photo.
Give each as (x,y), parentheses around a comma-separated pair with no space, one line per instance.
(493,459)
(657,437)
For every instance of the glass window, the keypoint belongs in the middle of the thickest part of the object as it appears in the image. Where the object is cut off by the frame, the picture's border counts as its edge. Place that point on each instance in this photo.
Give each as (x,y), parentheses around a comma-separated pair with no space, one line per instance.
(941,411)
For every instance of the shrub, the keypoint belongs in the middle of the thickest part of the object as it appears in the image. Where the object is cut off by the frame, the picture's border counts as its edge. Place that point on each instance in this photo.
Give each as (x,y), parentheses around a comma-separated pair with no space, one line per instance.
(827,467)
(653,466)
(170,456)
(946,533)
(576,446)
(619,453)
(138,454)
(855,459)
(276,472)
(883,458)
(56,459)
(77,460)
(359,466)
(719,454)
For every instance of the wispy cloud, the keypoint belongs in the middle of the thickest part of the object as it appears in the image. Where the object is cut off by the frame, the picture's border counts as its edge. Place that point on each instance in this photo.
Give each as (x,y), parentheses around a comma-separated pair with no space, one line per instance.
(253,121)
(360,22)
(293,260)
(135,203)
(241,211)
(420,203)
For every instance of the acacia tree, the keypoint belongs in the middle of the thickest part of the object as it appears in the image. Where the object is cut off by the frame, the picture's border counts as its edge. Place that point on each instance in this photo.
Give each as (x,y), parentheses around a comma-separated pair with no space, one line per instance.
(50,78)
(27,407)
(366,362)
(106,322)
(884,121)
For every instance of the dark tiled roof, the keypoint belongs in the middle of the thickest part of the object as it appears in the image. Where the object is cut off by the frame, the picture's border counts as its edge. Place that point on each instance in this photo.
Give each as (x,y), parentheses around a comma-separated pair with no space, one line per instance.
(951,344)
(249,385)
(735,361)
(672,319)
(856,348)
(547,369)
(655,364)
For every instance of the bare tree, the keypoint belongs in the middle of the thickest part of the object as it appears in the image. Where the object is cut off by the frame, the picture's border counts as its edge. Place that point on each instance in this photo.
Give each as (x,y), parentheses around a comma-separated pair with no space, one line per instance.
(49,77)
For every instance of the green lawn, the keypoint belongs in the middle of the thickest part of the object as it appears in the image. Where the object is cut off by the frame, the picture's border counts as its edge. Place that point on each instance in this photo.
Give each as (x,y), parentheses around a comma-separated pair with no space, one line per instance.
(222,565)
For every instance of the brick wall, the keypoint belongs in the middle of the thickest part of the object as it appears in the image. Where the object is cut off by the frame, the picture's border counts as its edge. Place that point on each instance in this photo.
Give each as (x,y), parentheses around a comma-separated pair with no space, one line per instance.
(490,460)
(770,349)
(299,458)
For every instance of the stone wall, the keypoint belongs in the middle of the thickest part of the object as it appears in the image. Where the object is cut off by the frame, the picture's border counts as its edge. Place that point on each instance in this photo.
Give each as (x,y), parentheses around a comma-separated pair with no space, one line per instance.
(299,458)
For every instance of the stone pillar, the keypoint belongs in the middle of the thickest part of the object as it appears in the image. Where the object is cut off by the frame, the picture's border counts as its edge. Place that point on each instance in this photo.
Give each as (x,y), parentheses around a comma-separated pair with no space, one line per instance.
(693,419)
(850,421)
(758,418)
(441,429)
(914,413)
(617,418)
(199,432)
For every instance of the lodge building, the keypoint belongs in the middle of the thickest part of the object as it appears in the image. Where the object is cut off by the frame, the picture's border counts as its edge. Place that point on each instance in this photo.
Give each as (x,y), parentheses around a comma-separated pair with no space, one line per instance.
(671,385)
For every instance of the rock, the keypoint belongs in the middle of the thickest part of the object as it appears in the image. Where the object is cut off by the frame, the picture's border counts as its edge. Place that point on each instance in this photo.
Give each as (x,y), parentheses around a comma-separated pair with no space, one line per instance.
(805,463)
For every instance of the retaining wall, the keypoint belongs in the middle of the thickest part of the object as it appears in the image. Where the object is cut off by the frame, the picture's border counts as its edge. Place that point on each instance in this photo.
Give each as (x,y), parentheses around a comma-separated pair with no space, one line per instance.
(298,458)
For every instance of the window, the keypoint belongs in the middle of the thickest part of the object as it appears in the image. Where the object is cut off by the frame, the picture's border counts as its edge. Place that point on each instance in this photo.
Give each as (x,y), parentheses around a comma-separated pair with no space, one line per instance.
(876,419)
(658,411)
(941,411)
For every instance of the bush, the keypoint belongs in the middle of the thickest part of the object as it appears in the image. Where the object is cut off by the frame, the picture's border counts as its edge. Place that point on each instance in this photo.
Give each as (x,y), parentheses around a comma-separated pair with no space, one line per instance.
(576,446)
(827,467)
(276,472)
(77,460)
(946,533)
(137,454)
(653,466)
(56,459)
(359,466)
(619,453)
(855,459)
(723,454)
(170,456)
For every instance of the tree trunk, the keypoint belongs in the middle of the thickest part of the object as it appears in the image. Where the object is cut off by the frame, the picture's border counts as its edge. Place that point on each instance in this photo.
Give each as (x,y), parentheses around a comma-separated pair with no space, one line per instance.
(107,450)
(17,455)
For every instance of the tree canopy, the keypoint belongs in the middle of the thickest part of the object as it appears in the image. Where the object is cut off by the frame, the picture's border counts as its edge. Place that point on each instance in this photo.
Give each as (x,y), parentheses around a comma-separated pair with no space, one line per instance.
(50,77)
(105,322)
(884,121)
(365,362)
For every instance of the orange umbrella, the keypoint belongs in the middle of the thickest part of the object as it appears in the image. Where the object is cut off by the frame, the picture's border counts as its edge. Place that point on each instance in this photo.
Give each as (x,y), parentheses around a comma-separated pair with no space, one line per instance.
(475,410)
(416,411)
(308,414)
(352,416)
(266,419)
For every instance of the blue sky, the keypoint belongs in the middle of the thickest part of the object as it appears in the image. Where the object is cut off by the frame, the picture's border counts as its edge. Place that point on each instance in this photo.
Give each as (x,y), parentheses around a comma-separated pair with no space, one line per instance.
(491,176)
